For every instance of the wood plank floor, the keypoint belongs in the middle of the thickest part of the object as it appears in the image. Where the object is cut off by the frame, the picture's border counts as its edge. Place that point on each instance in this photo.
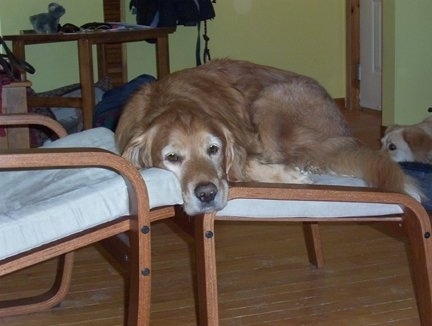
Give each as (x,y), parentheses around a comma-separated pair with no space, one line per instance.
(264,275)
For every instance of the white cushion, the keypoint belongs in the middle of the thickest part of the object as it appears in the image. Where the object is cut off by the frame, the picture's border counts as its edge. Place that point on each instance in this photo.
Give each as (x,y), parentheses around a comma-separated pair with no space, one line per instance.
(258,208)
(37,207)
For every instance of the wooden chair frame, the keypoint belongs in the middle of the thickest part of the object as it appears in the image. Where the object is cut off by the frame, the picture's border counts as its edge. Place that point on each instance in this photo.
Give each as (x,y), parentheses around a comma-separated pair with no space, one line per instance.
(137,225)
(415,224)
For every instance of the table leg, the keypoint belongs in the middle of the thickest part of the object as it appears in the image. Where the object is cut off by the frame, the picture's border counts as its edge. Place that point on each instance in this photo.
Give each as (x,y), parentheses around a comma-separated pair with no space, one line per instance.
(18,50)
(102,61)
(162,56)
(85,60)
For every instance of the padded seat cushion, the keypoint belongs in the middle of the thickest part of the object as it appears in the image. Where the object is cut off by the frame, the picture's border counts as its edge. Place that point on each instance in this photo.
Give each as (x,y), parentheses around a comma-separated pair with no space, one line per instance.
(316,209)
(37,207)
(40,206)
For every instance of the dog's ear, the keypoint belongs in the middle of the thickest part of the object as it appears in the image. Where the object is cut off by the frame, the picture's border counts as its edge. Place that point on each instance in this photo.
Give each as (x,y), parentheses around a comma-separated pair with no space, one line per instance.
(138,149)
(134,138)
(419,143)
(235,157)
(416,138)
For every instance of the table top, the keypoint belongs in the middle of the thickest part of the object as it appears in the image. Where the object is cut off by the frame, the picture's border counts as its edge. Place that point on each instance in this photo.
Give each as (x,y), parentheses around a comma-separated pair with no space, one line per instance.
(101,36)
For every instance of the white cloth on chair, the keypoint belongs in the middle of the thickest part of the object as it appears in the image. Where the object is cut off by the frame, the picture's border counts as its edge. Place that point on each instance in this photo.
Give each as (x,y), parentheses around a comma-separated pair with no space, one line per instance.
(263,208)
(39,206)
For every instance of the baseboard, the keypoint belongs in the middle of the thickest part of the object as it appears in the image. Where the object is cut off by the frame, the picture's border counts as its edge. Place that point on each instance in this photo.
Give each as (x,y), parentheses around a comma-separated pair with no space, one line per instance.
(340,102)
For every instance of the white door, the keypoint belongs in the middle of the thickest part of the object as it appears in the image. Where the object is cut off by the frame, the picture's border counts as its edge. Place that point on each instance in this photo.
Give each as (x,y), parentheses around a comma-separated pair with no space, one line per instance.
(370,69)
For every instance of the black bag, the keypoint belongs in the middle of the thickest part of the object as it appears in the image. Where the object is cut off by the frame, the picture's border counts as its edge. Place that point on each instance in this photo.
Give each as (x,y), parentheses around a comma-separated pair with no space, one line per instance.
(107,112)
(170,13)
(10,65)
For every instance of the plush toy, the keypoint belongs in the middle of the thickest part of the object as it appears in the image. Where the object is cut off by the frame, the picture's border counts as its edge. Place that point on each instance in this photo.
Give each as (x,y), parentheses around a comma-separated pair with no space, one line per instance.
(44,23)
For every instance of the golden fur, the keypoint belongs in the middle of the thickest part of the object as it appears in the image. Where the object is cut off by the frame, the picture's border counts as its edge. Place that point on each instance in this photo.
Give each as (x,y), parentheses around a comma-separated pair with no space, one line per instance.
(237,121)
(409,143)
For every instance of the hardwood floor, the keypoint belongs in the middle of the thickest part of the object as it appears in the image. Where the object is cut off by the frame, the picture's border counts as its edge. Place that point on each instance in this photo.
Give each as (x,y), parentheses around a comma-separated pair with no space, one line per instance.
(264,275)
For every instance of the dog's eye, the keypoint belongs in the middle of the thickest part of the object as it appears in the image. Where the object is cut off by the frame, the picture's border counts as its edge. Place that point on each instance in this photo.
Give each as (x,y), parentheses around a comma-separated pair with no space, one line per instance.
(212,150)
(392,147)
(173,158)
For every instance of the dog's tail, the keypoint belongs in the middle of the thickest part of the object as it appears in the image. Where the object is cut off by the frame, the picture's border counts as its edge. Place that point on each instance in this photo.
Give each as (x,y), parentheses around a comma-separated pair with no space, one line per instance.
(375,167)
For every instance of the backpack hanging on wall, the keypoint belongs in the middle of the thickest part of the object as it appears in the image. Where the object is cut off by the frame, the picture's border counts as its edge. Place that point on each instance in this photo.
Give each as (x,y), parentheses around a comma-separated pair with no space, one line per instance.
(170,13)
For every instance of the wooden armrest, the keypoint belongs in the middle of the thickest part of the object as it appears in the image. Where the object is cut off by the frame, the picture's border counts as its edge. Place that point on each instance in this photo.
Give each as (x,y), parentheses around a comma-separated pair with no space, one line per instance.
(71,157)
(54,101)
(32,119)
(316,192)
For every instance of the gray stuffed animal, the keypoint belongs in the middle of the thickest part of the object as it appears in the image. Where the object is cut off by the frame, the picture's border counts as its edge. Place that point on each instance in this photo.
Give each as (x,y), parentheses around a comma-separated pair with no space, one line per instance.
(48,22)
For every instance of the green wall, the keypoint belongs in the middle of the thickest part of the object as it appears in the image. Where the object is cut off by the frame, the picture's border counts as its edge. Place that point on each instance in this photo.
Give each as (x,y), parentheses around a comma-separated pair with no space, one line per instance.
(56,64)
(307,36)
(407,63)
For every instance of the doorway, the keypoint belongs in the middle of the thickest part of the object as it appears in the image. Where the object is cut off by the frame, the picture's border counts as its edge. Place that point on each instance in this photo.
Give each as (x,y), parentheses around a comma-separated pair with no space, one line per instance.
(352,8)
(370,68)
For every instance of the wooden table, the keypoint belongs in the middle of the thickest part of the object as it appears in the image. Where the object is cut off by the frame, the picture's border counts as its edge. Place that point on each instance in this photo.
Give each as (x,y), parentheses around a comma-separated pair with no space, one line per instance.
(84,41)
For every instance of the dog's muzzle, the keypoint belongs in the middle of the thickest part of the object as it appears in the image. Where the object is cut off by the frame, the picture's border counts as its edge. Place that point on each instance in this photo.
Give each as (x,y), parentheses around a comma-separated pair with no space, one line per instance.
(205,197)
(206,192)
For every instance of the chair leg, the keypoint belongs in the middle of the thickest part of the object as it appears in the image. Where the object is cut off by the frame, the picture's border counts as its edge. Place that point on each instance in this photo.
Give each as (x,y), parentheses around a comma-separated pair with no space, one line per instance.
(139,300)
(313,243)
(206,270)
(45,300)
(419,235)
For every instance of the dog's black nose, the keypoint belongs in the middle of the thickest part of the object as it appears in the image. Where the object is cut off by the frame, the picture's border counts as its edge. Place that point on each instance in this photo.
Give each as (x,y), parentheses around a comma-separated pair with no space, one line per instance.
(206,192)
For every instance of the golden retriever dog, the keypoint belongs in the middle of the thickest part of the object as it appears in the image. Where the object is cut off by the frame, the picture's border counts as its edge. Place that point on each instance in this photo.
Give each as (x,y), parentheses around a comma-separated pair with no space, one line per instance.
(233,121)
(409,143)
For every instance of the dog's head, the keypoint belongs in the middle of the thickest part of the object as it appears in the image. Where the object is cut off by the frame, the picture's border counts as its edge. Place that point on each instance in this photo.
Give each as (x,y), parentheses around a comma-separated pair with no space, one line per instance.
(407,144)
(184,135)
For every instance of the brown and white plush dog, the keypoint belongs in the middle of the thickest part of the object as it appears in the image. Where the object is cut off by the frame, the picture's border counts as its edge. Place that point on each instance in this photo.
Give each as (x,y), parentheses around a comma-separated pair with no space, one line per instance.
(237,121)
(409,143)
